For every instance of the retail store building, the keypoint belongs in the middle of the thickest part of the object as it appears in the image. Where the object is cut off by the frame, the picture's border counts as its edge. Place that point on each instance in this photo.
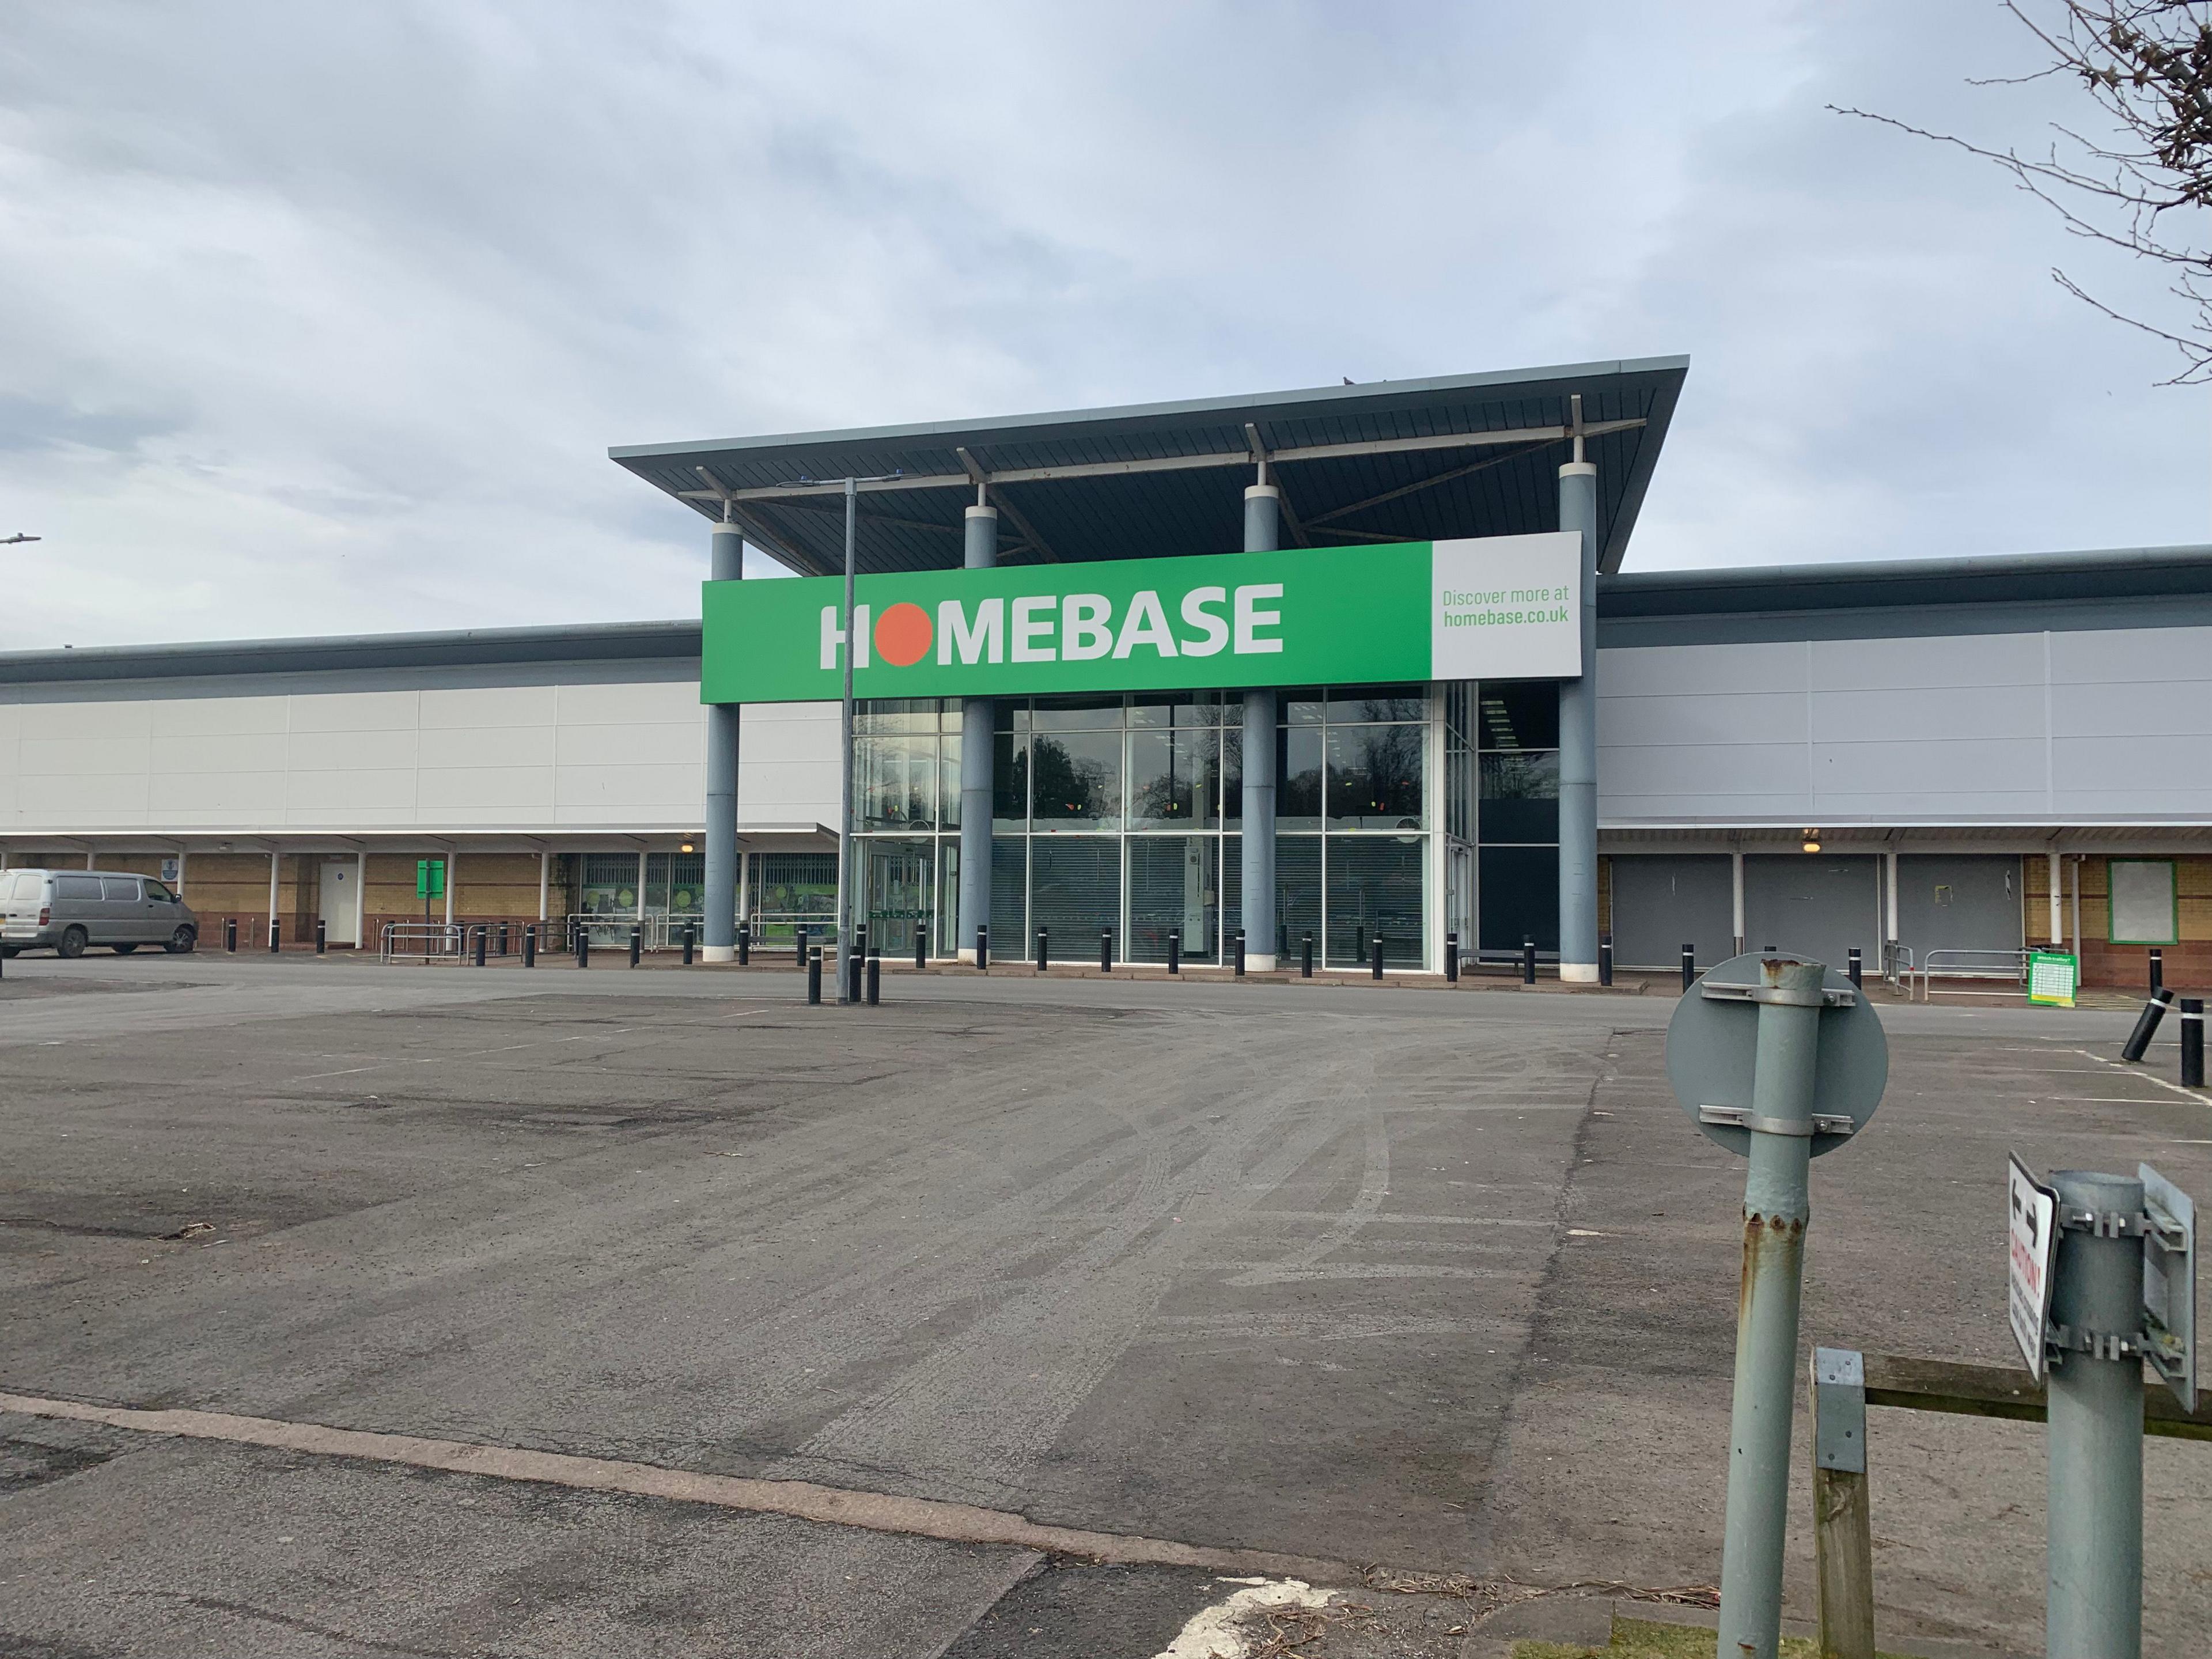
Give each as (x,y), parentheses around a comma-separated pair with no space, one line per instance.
(1986,753)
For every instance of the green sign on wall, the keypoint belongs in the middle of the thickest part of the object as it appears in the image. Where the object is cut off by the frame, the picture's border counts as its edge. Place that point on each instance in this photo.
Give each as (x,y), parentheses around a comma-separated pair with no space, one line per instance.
(1503,607)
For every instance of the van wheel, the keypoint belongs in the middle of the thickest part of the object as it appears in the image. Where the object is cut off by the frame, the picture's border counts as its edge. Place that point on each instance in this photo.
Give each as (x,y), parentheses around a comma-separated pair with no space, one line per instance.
(123,950)
(181,942)
(73,942)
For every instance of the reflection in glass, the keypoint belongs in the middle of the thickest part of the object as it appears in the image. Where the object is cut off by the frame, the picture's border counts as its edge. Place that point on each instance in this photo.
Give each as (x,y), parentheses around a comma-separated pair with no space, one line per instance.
(1297,777)
(1374,886)
(1173,883)
(1078,781)
(1300,707)
(1172,773)
(898,781)
(1367,704)
(890,714)
(897,887)
(948,775)
(1093,713)
(1010,781)
(1375,777)
(1228,792)
(1520,798)
(1297,896)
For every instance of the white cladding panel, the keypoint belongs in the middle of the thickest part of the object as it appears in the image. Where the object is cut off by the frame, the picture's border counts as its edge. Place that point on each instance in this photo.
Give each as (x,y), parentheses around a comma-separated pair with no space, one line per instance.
(601,754)
(2082,727)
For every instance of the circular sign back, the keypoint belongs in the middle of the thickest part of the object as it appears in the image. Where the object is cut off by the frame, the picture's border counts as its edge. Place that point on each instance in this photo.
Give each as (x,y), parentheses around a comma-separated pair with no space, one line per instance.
(1712,1040)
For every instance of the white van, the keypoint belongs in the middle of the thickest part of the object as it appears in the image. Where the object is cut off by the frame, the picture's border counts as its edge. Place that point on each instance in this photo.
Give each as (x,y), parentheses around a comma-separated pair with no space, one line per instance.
(69,909)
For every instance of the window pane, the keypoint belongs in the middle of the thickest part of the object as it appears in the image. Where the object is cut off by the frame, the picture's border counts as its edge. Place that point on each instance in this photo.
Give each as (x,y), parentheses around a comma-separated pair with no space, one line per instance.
(1518,714)
(1300,707)
(1075,894)
(788,888)
(948,777)
(1010,883)
(896,715)
(1171,770)
(897,782)
(687,883)
(1297,777)
(1375,887)
(609,883)
(1010,781)
(1520,798)
(1186,708)
(1520,898)
(1375,777)
(1078,781)
(897,891)
(1092,714)
(1173,882)
(115,889)
(1226,797)
(1350,704)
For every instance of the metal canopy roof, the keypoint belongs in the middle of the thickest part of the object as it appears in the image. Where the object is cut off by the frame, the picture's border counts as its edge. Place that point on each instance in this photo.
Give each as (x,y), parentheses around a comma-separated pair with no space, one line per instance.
(1389,461)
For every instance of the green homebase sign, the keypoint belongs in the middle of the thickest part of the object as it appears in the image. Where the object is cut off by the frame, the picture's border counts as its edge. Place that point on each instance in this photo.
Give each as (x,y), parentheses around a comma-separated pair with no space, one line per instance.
(1502,607)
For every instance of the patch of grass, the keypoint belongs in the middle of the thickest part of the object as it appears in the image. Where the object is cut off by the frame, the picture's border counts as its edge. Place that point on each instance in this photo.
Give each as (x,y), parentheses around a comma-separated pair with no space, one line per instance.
(1639,1639)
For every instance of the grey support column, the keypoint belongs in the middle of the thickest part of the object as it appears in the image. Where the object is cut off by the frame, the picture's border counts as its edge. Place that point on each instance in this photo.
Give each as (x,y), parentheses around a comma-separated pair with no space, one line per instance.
(978,730)
(725,563)
(1263,515)
(1578,746)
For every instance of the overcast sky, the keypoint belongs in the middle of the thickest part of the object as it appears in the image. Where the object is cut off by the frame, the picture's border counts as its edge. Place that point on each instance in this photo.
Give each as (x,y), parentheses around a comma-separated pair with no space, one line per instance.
(320,319)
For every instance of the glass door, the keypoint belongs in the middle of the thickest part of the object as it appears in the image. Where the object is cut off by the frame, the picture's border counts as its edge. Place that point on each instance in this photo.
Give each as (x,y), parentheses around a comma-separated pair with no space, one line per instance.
(898,888)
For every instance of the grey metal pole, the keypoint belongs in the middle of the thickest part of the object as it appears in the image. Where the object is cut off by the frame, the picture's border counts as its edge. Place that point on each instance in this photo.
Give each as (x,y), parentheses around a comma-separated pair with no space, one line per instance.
(725,562)
(1263,512)
(1776,1210)
(845,751)
(2093,1571)
(1579,741)
(978,730)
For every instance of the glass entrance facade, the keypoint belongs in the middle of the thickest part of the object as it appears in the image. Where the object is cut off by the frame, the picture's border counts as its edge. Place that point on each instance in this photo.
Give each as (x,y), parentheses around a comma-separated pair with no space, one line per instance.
(1122,814)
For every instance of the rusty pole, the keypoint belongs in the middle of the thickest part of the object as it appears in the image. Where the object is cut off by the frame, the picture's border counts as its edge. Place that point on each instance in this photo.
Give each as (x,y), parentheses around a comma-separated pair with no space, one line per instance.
(1776,1210)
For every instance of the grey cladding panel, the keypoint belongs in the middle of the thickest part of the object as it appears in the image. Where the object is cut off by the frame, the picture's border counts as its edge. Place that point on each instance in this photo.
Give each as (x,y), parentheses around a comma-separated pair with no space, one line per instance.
(1718,717)
(1968,711)
(1958,661)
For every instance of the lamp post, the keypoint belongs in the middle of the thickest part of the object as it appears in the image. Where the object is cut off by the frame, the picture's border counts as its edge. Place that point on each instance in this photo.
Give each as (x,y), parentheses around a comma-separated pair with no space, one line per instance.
(852,489)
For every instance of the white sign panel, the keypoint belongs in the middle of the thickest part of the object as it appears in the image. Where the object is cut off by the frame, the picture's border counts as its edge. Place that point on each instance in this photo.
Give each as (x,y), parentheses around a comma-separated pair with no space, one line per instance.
(1507,607)
(2033,1216)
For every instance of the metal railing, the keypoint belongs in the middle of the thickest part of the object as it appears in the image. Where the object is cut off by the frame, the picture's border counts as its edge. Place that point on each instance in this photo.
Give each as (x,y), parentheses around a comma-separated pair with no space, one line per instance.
(1974,964)
(610,929)
(426,942)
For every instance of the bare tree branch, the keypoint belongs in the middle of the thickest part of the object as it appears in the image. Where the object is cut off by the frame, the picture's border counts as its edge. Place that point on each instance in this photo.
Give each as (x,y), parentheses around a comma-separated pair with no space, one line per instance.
(2146,65)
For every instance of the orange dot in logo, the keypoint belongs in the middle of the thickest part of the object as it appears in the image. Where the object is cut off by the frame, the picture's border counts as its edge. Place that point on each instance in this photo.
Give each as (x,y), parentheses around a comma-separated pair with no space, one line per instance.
(902,635)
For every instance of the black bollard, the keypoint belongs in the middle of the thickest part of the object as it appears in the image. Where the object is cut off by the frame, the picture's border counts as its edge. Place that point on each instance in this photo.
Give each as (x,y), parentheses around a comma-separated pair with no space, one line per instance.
(1175,950)
(2146,1025)
(2192,1042)
(814,978)
(1528,962)
(920,946)
(1857,969)
(1042,959)
(230,935)
(875,977)
(1305,958)
(982,947)
(1240,953)
(800,932)
(322,936)
(1106,951)
(1376,961)
(275,935)
(636,942)
(1451,958)
(583,947)
(480,931)
(1689,968)
(1605,960)
(744,944)
(530,945)
(502,938)
(2157,968)
(690,940)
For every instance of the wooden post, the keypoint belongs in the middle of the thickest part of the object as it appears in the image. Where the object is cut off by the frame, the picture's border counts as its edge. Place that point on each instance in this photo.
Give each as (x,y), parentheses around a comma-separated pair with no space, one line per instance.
(1842,1532)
